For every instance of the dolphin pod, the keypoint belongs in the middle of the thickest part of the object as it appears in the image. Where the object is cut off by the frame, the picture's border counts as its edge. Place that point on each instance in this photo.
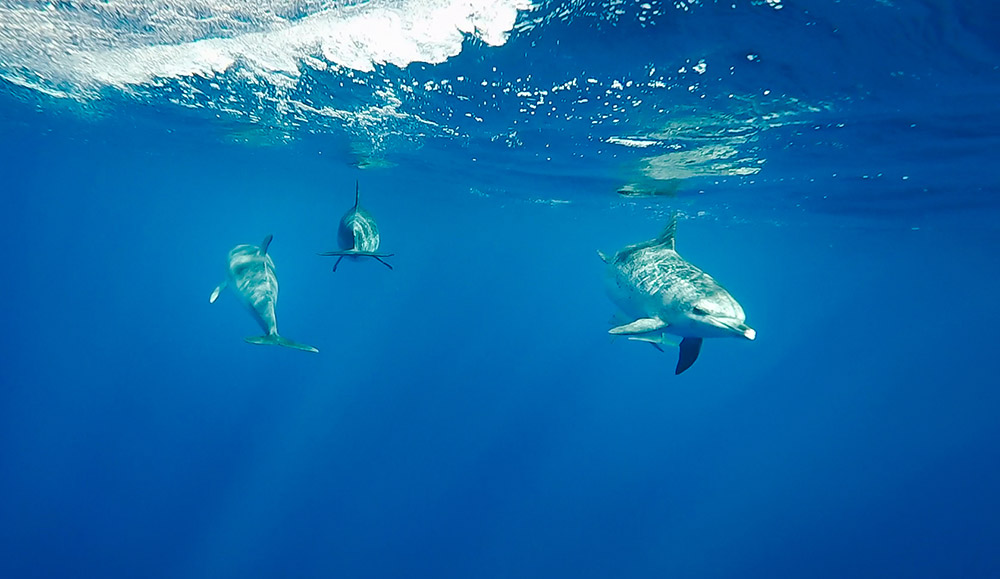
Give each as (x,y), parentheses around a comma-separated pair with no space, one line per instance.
(669,300)
(252,275)
(665,294)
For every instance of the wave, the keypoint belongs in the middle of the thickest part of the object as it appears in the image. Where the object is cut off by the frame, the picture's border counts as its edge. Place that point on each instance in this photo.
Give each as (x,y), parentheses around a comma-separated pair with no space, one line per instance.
(76,49)
(645,94)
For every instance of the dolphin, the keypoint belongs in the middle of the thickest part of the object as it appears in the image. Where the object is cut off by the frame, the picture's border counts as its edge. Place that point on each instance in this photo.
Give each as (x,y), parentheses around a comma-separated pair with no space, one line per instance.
(251,273)
(357,235)
(665,294)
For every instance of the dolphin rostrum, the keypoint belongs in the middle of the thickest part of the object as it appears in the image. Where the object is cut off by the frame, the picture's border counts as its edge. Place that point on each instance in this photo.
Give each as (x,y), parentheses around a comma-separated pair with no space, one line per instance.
(357,235)
(664,294)
(251,273)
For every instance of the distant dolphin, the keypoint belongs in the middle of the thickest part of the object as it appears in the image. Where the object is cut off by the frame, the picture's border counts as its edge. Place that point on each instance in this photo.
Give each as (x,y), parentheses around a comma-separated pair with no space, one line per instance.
(251,271)
(357,235)
(667,295)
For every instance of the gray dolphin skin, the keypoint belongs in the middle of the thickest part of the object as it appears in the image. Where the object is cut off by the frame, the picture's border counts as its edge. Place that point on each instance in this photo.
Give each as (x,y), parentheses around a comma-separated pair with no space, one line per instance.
(357,235)
(665,294)
(252,276)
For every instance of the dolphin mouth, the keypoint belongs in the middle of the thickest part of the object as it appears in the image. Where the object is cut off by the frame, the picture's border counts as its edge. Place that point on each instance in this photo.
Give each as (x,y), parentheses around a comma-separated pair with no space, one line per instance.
(744,331)
(736,327)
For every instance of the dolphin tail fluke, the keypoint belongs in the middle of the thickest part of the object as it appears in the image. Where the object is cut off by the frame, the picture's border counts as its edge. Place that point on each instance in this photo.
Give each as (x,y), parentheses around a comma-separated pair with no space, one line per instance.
(355,253)
(690,348)
(276,340)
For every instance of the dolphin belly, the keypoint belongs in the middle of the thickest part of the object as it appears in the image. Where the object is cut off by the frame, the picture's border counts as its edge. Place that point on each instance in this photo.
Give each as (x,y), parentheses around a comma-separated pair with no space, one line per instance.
(254,279)
(358,232)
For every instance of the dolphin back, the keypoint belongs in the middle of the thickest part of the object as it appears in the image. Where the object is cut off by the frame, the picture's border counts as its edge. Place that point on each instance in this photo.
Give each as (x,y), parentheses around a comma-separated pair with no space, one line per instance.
(664,241)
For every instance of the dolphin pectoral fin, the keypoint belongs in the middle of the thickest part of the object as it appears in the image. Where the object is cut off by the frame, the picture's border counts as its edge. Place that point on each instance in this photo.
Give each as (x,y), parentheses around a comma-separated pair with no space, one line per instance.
(690,348)
(603,256)
(652,342)
(640,326)
(276,340)
(656,339)
(218,290)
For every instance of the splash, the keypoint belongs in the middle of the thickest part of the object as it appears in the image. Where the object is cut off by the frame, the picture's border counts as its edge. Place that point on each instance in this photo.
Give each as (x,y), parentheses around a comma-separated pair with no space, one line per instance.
(79,48)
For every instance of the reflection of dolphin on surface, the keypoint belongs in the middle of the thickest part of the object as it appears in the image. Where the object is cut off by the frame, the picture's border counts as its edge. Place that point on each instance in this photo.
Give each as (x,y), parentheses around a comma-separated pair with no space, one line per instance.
(665,294)
(357,235)
(251,273)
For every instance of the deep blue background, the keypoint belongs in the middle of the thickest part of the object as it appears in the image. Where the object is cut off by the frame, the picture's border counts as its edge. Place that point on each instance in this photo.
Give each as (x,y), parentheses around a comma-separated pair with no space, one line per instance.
(467,415)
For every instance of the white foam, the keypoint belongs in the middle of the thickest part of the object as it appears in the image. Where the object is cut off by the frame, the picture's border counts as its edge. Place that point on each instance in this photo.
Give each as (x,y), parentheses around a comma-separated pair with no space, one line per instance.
(122,43)
(628,142)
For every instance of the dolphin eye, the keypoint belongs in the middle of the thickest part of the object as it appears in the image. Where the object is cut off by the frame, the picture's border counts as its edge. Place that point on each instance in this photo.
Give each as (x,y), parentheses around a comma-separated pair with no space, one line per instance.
(699,311)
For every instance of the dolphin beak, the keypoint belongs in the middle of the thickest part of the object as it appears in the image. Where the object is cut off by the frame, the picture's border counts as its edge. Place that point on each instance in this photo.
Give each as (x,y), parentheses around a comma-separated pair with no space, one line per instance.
(739,328)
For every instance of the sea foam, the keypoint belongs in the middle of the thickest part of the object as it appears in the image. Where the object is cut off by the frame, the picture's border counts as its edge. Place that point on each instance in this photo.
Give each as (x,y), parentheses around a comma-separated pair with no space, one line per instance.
(122,43)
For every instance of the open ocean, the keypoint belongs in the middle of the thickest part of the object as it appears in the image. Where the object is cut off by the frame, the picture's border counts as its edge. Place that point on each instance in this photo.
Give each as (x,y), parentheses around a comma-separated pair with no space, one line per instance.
(833,164)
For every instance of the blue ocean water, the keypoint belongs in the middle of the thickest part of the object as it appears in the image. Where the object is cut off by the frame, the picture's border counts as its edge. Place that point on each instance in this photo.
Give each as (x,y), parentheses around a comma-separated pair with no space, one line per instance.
(833,164)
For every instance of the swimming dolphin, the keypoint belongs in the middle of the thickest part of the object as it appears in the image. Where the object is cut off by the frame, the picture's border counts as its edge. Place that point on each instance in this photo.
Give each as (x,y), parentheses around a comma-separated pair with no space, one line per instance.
(251,272)
(665,294)
(357,235)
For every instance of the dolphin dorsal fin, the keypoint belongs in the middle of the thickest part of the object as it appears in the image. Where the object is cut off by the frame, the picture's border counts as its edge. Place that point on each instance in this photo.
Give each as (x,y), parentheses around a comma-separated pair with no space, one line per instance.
(265,243)
(667,237)
(357,195)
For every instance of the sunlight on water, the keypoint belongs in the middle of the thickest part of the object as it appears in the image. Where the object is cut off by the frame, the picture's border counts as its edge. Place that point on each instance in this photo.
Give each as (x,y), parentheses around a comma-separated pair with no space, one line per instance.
(513,83)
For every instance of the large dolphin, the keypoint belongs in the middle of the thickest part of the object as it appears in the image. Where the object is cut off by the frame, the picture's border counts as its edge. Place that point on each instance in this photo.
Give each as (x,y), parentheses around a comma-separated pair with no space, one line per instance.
(251,273)
(664,294)
(357,235)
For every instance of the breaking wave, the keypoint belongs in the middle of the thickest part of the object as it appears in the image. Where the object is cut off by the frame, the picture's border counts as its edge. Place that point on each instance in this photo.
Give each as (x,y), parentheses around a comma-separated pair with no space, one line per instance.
(77,48)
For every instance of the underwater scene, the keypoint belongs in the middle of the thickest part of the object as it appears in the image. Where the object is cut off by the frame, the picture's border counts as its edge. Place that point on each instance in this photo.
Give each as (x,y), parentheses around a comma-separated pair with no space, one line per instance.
(568,288)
